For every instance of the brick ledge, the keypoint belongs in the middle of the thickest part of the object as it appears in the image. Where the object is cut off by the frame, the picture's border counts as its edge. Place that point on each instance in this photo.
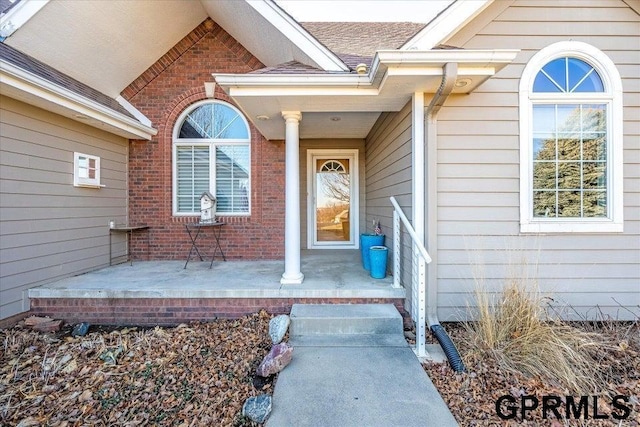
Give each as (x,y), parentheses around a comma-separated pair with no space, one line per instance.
(173,311)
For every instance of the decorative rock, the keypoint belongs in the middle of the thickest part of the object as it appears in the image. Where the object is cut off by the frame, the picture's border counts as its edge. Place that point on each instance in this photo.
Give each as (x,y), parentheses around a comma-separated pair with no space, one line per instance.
(80,329)
(278,327)
(50,326)
(257,409)
(35,320)
(277,359)
(110,357)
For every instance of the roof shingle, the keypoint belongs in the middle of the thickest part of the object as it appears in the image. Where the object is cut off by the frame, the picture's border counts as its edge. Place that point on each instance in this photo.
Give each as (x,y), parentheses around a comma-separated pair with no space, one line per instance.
(362,38)
(40,69)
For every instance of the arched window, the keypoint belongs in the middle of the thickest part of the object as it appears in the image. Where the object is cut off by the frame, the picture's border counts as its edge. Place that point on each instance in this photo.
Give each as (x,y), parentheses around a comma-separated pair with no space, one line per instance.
(211,152)
(570,141)
(333,166)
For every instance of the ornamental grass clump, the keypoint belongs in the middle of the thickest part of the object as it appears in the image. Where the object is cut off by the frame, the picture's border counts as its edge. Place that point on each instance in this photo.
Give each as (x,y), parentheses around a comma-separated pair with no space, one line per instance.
(514,328)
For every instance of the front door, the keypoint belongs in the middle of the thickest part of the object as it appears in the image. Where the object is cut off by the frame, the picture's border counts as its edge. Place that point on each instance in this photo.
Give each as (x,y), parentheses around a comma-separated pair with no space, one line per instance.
(333,200)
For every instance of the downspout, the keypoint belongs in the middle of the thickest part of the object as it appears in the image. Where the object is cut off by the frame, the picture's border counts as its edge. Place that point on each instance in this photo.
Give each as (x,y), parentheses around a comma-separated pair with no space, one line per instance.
(449,75)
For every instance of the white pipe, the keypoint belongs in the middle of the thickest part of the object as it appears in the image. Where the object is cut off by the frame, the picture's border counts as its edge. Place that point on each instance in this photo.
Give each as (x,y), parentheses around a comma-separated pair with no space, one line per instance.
(449,75)
(396,249)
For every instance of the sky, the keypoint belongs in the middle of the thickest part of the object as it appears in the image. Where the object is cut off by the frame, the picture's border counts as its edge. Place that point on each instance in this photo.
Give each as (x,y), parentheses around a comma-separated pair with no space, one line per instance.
(363,10)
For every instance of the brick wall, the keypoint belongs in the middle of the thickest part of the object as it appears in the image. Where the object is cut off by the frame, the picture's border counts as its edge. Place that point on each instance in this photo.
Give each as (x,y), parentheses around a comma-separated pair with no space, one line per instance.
(162,93)
(172,311)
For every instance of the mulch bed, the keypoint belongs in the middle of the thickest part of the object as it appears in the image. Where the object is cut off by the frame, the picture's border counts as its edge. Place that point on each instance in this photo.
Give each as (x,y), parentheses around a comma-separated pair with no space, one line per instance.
(472,396)
(201,374)
(195,374)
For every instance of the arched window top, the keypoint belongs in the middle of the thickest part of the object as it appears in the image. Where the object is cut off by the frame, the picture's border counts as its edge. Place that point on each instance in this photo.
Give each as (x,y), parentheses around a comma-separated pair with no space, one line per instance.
(571,67)
(568,75)
(212,120)
(332,166)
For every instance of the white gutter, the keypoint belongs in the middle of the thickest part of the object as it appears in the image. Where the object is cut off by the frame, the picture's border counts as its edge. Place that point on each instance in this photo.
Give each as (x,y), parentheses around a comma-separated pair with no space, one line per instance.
(292,80)
(479,57)
(77,105)
(449,75)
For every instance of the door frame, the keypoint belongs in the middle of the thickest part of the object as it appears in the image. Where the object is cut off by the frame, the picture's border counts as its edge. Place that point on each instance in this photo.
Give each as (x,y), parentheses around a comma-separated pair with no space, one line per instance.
(354,209)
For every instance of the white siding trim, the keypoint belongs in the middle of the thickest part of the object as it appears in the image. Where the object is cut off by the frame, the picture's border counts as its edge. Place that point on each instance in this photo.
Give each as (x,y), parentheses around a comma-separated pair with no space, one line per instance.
(613,87)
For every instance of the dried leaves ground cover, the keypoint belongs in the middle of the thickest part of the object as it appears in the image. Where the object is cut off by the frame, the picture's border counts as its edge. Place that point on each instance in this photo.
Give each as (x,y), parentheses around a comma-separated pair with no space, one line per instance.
(472,396)
(195,374)
(201,374)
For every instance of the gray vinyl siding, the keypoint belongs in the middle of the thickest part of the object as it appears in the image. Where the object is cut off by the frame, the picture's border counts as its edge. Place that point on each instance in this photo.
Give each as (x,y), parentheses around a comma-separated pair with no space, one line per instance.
(388,173)
(48,228)
(328,144)
(587,275)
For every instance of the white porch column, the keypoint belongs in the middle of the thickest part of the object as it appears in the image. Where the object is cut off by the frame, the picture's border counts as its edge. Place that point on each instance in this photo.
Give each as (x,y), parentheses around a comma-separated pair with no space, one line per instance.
(292,274)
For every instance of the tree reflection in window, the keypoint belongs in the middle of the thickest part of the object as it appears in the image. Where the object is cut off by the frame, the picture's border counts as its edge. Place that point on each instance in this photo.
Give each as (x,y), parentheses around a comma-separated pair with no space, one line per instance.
(569,143)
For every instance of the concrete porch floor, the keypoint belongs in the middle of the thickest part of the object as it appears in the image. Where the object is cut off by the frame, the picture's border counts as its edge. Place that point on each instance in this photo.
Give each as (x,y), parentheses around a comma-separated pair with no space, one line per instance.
(328,274)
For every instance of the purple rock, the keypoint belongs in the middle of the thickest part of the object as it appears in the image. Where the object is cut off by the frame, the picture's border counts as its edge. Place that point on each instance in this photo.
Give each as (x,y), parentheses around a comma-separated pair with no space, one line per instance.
(277,359)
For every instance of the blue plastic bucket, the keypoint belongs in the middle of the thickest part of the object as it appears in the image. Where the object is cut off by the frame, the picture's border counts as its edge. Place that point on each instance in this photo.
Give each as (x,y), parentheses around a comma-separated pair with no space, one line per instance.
(378,256)
(366,241)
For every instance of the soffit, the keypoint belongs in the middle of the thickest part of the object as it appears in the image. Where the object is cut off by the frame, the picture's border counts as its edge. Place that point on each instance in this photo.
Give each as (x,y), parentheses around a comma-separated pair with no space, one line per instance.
(106,44)
(270,43)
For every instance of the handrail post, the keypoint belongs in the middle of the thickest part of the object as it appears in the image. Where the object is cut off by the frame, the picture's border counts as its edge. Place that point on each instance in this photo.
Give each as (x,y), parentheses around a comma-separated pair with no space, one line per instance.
(420,258)
(422,301)
(396,249)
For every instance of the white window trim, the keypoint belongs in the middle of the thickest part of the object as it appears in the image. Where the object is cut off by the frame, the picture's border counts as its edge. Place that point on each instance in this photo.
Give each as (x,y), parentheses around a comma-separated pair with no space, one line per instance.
(614,222)
(85,182)
(211,143)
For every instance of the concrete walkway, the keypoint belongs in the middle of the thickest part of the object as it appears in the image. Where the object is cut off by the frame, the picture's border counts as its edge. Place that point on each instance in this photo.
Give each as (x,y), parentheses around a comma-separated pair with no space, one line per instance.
(364,380)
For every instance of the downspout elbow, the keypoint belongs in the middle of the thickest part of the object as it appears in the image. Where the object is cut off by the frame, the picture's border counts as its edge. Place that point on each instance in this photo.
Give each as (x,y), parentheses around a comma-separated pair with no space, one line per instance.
(449,76)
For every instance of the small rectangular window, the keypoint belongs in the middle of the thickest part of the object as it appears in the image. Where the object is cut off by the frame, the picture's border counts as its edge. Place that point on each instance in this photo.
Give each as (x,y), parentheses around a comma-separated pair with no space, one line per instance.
(86,170)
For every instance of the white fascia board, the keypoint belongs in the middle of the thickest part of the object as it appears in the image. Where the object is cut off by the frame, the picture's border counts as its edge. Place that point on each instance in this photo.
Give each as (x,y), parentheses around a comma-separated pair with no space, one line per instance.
(237,85)
(323,57)
(30,83)
(478,57)
(447,23)
(133,111)
(301,91)
(18,15)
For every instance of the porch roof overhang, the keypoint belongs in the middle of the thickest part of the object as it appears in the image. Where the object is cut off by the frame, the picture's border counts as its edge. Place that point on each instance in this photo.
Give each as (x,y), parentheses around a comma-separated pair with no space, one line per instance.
(341,105)
(40,92)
